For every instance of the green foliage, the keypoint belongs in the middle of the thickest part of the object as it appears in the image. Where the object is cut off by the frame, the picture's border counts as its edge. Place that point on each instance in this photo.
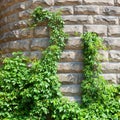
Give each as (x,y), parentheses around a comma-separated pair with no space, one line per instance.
(55,24)
(101,98)
(30,90)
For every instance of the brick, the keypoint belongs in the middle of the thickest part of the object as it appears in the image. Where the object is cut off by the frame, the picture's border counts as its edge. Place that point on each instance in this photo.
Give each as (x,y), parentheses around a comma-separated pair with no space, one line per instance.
(99,29)
(19,45)
(10,36)
(35,55)
(24,14)
(73,30)
(78,19)
(70,78)
(3,21)
(114,55)
(99,2)
(2,37)
(49,2)
(68,2)
(4,55)
(41,32)
(113,43)
(39,43)
(110,10)
(13,18)
(45,3)
(114,30)
(70,67)
(13,26)
(112,78)
(5,12)
(19,24)
(111,67)
(86,10)
(17,7)
(117,2)
(27,4)
(118,78)
(20,6)
(74,43)
(70,89)
(65,10)
(100,19)
(103,55)
(2,4)
(26,33)
(17,34)
(4,47)
(71,55)
(6,3)
(4,29)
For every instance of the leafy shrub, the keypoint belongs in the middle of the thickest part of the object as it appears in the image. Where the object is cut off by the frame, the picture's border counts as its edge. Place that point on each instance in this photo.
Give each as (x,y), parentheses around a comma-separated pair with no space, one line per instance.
(30,90)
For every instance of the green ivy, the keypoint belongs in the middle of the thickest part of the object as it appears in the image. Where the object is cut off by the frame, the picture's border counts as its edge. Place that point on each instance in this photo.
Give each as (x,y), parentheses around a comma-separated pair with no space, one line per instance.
(30,90)
(101,98)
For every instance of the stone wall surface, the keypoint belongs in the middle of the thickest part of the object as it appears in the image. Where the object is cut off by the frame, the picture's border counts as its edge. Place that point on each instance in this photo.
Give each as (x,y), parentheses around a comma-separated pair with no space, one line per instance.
(101,16)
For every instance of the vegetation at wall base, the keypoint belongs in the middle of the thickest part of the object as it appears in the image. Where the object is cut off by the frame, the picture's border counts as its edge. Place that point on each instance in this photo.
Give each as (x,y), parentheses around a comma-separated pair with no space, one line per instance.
(101,99)
(30,90)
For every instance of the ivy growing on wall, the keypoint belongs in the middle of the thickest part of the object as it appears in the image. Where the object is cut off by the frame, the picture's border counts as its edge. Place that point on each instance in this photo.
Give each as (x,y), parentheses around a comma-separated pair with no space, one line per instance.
(101,99)
(30,90)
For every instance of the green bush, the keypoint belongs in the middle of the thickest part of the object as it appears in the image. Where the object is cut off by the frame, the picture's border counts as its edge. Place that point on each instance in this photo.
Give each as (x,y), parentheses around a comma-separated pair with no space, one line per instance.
(30,90)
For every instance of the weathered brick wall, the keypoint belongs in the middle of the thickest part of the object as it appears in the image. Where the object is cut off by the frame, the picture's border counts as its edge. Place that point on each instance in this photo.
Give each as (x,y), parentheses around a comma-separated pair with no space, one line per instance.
(101,16)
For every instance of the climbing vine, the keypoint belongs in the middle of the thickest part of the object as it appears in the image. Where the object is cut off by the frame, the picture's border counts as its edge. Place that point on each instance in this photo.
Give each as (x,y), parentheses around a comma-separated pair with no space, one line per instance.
(30,90)
(101,98)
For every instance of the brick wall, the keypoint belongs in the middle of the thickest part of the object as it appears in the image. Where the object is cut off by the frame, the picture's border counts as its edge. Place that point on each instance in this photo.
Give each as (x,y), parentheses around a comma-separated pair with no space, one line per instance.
(101,16)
